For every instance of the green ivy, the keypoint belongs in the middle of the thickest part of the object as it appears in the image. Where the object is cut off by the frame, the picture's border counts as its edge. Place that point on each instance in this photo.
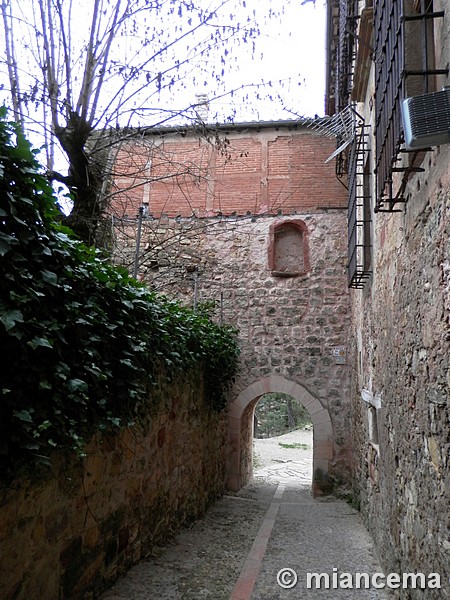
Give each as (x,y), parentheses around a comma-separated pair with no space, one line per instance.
(83,344)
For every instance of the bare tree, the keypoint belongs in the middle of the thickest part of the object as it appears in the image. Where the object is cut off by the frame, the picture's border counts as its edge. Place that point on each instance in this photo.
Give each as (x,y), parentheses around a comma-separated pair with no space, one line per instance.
(76,68)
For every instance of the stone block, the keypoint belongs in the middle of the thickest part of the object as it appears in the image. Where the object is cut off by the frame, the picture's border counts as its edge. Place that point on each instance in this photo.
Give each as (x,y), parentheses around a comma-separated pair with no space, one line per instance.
(323,430)
(324,449)
(276,383)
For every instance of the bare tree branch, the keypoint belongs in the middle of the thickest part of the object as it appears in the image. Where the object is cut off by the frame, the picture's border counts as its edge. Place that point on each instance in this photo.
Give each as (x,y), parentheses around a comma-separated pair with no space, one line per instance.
(65,38)
(104,58)
(11,60)
(49,67)
(89,66)
(114,70)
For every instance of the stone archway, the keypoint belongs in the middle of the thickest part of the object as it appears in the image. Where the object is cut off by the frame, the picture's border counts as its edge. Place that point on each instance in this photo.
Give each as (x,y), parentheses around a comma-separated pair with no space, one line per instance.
(240,433)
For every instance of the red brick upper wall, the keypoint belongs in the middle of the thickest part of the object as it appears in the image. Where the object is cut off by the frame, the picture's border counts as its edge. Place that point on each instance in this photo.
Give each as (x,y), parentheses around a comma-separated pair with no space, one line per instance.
(260,171)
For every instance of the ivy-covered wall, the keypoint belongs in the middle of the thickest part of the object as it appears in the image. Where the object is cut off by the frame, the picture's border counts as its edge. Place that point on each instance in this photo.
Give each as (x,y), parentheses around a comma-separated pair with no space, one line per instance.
(112,428)
(90,519)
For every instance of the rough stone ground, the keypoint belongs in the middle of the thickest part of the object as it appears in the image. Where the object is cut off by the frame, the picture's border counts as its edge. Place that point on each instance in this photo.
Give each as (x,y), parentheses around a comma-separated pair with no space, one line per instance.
(217,557)
(274,459)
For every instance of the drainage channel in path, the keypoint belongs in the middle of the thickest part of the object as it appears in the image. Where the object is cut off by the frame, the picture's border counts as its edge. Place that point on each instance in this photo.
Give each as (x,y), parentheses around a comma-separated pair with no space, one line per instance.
(236,550)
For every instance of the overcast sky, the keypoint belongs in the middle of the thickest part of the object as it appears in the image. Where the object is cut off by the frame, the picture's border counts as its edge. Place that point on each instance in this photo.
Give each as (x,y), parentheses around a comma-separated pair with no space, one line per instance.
(289,53)
(294,51)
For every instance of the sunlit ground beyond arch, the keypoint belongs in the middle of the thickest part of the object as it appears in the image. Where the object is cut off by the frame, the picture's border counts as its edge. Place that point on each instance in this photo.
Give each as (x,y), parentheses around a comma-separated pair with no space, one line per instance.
(240,432)
(283,440)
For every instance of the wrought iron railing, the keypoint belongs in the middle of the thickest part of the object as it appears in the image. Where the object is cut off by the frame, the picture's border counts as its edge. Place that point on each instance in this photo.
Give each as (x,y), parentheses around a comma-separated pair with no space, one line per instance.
(359,209)
(404,65)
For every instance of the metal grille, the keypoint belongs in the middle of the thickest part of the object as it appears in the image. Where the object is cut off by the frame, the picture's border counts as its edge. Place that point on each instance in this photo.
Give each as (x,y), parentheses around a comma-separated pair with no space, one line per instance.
(348,19)
(346,53)
(403,65)
(359,242)
(389,73)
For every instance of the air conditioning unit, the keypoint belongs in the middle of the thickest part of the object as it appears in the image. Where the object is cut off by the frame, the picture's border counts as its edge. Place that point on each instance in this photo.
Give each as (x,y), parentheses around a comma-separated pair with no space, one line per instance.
(426,119)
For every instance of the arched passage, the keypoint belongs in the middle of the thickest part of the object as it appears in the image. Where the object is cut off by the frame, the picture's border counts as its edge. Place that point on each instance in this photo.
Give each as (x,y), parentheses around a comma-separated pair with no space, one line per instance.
(240,433)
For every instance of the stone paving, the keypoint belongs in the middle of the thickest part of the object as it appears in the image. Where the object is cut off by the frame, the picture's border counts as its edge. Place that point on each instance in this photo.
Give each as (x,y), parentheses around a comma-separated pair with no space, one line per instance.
(239,546)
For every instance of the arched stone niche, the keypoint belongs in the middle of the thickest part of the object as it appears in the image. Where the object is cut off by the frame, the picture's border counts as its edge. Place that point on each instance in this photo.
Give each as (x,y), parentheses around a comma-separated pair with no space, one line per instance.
(288,253)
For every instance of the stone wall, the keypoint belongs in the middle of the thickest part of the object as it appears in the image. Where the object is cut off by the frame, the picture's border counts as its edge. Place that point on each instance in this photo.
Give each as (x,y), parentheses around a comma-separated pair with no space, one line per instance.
(401,336)
(72,533)
(254,220)
(292,325)
(401,325)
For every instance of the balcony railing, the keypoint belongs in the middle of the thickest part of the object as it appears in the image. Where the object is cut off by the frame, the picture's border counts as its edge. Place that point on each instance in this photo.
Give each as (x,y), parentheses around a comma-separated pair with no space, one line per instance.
(359,209)
(404,66)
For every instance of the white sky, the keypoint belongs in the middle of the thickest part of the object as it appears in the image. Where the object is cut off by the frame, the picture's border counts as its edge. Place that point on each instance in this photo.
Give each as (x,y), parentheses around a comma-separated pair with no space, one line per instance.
(290,49)
(294,51)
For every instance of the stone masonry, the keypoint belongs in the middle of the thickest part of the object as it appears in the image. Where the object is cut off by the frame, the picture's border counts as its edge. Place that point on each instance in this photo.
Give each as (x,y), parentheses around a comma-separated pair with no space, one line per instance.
(71,534)
(401,330)
(401,317)
(294,322)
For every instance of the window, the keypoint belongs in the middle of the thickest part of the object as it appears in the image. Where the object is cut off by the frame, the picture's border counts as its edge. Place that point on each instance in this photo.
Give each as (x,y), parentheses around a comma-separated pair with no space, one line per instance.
(404,67)
(288,249)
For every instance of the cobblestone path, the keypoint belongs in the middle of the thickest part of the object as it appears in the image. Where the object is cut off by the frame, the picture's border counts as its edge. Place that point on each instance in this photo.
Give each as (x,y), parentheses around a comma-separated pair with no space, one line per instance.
(237,549)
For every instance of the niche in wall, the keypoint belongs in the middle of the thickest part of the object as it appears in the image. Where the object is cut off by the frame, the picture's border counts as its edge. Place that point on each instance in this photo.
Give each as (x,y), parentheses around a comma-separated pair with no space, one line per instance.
(288,249)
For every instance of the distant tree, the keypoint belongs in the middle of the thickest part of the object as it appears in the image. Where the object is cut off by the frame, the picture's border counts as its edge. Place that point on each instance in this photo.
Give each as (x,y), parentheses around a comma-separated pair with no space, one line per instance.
(75,68)
(279,413)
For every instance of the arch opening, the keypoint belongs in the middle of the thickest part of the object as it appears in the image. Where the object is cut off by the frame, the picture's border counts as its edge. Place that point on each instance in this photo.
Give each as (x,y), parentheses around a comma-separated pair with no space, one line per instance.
(240,437)
(282,440)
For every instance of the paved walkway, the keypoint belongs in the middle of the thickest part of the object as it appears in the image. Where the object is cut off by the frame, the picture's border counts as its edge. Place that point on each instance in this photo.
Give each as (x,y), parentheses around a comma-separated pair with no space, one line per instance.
(237,549)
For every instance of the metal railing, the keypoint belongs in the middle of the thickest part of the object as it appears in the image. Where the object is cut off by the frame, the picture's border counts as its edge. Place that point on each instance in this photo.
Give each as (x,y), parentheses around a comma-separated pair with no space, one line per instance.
(404,65)
(359,210)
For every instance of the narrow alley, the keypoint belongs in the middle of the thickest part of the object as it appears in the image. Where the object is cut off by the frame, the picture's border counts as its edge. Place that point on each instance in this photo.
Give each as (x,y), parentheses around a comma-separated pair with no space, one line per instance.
(237,550)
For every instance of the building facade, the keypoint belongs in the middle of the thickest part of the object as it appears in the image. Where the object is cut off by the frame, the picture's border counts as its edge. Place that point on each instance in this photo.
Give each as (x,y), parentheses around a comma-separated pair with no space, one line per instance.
(251,218)
(398,171)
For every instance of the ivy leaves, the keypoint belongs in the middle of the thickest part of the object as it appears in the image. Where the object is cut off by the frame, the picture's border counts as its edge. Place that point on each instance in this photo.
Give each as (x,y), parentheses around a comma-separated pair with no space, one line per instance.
(85,344)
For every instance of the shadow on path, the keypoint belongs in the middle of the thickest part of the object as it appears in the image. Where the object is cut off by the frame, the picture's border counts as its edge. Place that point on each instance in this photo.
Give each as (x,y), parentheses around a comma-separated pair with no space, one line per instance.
(236,550)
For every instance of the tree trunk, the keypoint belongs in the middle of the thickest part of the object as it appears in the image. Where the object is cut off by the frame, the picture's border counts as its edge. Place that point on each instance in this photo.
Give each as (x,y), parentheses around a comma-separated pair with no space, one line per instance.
(85,177)
(292,421)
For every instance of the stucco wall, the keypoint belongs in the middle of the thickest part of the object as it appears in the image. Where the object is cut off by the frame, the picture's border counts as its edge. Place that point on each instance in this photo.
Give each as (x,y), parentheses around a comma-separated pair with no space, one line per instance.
(77,529)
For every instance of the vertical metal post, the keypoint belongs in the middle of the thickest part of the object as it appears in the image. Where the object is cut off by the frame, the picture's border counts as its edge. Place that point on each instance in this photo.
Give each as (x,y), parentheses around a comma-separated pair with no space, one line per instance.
(221,308)
(138,241)
(195,288)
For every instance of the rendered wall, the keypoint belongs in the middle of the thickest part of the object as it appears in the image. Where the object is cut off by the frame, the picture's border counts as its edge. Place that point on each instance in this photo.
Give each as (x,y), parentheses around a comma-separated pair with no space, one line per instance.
(77,530)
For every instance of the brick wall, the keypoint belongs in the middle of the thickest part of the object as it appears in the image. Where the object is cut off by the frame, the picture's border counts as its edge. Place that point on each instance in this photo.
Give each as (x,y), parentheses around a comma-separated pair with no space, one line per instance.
(269,170)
